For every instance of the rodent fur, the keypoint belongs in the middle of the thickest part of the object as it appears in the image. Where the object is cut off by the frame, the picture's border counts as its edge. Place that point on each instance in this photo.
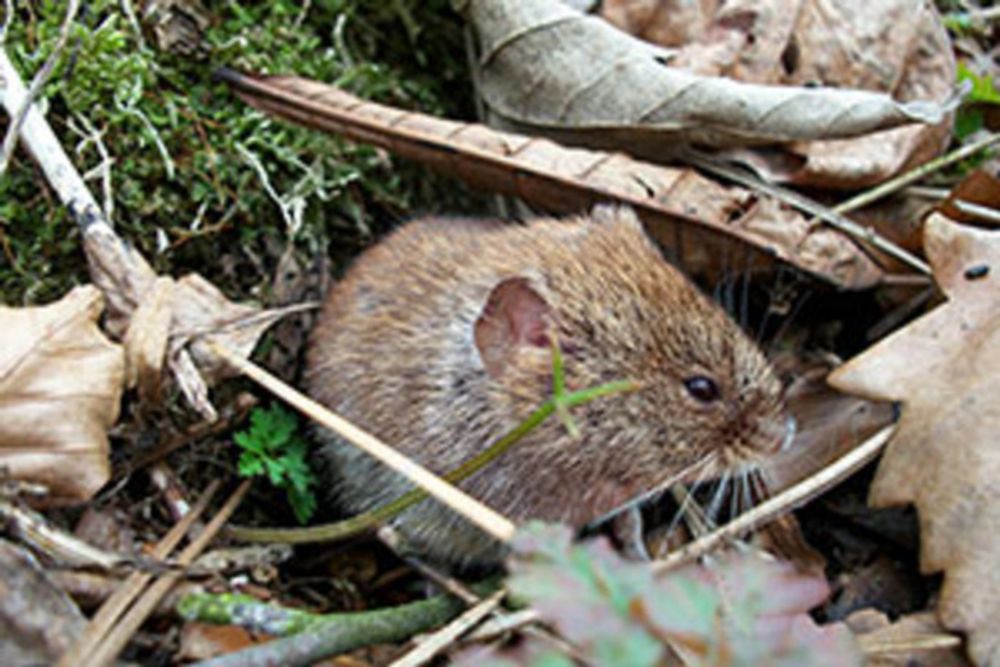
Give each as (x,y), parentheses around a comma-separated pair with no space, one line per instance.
(436,341)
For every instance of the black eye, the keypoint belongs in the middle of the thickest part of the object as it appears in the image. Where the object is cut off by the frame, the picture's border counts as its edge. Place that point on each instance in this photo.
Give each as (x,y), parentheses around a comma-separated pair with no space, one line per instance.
(702,388)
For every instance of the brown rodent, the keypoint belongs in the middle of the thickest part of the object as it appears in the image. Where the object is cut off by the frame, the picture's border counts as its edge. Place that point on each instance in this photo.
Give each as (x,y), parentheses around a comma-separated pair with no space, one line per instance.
(437,341)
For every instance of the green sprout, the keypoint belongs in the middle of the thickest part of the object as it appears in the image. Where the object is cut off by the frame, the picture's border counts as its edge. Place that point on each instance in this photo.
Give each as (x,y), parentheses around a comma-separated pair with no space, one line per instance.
(272,448)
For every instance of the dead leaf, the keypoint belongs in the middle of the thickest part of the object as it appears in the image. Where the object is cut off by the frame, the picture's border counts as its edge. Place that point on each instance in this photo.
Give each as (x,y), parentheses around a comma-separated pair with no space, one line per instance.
(545,67)
(665,22)
(201,641)
(893,46)
(692,216)
(945,367)
(37,620)
(60,385)
(164,322)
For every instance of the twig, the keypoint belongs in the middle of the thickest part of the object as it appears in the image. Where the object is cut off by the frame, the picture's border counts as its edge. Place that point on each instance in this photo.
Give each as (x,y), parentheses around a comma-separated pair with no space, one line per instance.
(126,627)
(487,519)
(978,211)
(832,217)
(788,499)
(914,175)
(33,529)
(440,640)
(872,646)
(392,539)
(38,137)
(114,606)
(40,79)
(345,632)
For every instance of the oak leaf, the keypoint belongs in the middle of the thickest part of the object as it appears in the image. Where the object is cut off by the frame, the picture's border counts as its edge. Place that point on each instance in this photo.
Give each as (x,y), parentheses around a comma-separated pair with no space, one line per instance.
(60,385)
(944,459)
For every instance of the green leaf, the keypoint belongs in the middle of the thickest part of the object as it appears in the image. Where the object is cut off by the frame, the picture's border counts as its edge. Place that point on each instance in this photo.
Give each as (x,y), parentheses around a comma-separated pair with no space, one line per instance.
(272,449)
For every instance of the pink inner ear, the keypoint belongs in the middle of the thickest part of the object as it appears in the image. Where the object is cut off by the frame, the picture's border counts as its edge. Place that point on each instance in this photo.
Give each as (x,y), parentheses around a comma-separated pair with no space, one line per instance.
(515,315)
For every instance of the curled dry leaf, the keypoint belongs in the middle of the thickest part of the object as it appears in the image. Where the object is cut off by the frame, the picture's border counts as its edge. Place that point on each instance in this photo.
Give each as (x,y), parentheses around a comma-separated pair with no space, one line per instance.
(945,368)
(691,215)
(896,47)
(545,67)
(164,322)
(60,385)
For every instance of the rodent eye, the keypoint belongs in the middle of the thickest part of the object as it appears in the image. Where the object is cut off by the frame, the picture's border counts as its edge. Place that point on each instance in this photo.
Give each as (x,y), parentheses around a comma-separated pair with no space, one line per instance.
(702,388)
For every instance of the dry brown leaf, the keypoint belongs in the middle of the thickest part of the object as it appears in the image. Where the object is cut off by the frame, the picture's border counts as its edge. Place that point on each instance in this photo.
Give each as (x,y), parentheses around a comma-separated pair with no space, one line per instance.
(892,46)
(60,385)
(545,67)
(666,22)
(945,367)
(694,217)
(906,53)
(164,322)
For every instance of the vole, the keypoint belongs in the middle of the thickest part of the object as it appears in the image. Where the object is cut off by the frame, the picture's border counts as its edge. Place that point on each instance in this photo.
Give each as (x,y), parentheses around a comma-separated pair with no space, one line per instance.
(438,340)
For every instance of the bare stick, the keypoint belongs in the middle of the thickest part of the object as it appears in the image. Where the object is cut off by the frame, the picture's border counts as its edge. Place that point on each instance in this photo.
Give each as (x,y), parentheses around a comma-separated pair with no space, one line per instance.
(487,519)
(443,638)
(832,217)
(914,175)
(788,499)
(38,137)
(113,644)
(114,606)
(39,80)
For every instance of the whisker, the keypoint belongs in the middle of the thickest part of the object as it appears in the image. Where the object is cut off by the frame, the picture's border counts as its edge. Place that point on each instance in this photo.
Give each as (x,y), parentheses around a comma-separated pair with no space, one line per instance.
(715,506)
(688,500)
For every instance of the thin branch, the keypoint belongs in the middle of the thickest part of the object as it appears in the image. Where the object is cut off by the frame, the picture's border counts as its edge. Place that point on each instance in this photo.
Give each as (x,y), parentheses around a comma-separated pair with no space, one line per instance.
(914,175)
(490,521)
(112,609)
(446,636)
(830,216)
(126,627)
(780,504)
(39,80)
(985,213)
(38,137)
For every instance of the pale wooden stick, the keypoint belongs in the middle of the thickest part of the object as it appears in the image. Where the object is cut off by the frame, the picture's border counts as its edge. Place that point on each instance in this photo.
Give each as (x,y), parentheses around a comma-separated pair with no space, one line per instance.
(440,640)
(17,118)
(115,605)
(872,646)
(790,498)
(489,520)
(113,644)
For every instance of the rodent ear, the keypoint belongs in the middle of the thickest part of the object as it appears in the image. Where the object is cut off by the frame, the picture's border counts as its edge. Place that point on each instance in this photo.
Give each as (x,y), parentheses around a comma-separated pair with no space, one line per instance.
(515,315)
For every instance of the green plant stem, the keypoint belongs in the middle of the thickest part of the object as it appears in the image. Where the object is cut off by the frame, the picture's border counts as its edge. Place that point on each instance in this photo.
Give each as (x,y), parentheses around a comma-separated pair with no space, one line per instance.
(308,638)
(362,522)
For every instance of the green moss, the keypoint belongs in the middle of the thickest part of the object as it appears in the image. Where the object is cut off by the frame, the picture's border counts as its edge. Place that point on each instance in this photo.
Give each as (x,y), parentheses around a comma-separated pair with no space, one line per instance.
(184,187)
